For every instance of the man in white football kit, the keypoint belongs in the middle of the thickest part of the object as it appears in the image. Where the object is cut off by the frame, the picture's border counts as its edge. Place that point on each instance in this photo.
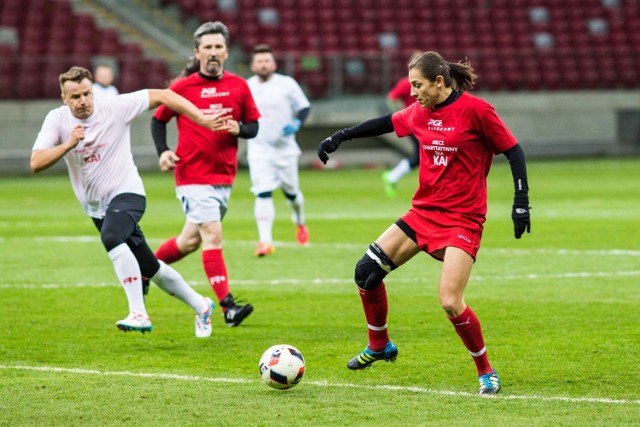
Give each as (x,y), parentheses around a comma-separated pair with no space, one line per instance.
(95,142)
(273,154)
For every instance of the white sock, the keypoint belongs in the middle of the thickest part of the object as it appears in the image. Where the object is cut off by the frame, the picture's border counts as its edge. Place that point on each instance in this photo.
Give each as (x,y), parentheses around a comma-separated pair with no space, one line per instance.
(170,281)
(265,213)
(128,272)
(297,209)
(402,168)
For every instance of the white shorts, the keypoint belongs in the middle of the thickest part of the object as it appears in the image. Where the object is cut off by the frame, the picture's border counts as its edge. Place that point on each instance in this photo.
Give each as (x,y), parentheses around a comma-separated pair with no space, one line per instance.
(204,203)
(269,173)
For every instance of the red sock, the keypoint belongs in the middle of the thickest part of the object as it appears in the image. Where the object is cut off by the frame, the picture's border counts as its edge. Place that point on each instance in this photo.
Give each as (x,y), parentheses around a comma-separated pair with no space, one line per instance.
(376,307)
(216,271)
(468,328)
(169,252)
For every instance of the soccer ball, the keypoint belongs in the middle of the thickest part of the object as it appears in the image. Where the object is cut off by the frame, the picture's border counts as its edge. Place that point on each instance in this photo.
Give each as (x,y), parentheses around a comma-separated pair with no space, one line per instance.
(282,366)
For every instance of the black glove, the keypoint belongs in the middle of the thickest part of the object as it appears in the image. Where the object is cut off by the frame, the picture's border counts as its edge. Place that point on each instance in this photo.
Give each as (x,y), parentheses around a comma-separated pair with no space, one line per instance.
(331,144)
(520,215)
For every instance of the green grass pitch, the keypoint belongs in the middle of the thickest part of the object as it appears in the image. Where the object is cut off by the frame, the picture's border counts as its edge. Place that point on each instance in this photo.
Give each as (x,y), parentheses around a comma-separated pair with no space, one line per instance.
(559,310)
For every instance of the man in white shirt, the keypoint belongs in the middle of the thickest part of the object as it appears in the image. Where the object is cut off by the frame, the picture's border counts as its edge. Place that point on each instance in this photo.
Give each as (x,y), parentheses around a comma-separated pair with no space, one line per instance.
(273,154)
(103,82)
(95,143)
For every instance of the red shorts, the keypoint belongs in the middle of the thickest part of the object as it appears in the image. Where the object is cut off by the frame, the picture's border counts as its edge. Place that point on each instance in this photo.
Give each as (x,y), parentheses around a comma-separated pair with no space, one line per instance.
(436,230)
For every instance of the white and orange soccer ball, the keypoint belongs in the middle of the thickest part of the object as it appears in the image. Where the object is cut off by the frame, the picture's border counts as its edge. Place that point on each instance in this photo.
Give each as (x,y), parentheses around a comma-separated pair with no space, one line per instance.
(282,366)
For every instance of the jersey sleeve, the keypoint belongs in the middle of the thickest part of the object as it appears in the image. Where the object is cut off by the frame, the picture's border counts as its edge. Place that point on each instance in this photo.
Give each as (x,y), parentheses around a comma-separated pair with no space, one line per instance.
(494,130)
(164,113)
(49,136)
(402,121)
(297,98)
(131,105)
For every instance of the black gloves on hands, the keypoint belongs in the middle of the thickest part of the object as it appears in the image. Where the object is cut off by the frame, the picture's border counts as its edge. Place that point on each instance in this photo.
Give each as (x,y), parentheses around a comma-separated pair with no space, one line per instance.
(520,215)
(331,144)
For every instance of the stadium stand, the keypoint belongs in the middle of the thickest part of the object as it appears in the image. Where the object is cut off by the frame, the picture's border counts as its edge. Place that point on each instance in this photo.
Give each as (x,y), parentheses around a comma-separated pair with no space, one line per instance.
(335,47)
(515,45)
(49,37)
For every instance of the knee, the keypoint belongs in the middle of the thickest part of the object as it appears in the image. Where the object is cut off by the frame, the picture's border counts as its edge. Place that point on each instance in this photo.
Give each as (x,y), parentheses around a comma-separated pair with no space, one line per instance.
(452,304)
(189,244)
(289,196)
(110,239)
(149,264)
(372,268)
(448,305)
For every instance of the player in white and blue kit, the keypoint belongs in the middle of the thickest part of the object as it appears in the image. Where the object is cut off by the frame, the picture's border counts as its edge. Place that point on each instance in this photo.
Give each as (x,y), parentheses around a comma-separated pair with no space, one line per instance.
(273,154)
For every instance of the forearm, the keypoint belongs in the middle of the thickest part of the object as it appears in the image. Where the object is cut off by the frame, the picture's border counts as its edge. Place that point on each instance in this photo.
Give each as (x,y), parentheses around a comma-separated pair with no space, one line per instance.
(159,135)
(248,130)
(372,127)
(520,213)
(303,114)
(175,102)
(44,158)
(518,166)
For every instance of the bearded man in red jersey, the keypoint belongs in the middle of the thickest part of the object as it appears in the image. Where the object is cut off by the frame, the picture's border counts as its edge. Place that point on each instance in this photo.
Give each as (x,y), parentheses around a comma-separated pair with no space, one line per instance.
(204,162)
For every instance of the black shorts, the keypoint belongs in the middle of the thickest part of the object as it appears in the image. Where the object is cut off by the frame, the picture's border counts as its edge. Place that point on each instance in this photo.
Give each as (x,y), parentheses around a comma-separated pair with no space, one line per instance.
(126,226)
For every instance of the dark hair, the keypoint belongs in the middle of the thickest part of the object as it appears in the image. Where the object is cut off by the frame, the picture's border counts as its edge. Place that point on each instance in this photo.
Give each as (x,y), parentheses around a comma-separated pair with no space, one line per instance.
(262,48)
(75,74)
(216,27)
(190,67)
(460,75)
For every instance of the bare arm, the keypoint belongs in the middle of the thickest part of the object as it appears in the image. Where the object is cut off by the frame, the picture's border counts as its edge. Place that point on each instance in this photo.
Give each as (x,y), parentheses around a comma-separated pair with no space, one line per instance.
(44,158)
(182,105)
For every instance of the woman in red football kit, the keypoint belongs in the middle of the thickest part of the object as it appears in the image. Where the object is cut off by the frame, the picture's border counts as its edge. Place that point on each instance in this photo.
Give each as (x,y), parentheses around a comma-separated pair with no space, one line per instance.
(459,135)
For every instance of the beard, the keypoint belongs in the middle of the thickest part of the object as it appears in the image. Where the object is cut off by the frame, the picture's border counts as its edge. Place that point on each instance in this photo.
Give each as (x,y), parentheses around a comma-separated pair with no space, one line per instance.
(214,67)
(264,75)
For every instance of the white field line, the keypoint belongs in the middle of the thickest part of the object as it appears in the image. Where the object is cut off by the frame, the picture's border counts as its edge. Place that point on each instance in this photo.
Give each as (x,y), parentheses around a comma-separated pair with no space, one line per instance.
(337,281)
(343,245)
(324,384)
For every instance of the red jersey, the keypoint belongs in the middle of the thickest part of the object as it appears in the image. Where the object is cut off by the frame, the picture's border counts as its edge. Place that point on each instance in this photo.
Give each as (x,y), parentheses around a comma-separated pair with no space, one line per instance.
(208,157)
(402,92)
(457,145)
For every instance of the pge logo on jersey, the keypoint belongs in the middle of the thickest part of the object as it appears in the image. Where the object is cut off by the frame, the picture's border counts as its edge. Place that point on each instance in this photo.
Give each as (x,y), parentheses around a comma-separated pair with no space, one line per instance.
(434,122)
(212,92)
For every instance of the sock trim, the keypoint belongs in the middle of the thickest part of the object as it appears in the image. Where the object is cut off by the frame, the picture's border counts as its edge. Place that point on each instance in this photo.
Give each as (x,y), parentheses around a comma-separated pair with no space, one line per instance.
(482,351)
(377,328)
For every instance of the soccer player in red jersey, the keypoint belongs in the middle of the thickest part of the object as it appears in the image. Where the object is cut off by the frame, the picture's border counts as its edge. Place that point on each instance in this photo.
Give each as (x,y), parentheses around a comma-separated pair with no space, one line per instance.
(399,97)
(204,162)
(459,135)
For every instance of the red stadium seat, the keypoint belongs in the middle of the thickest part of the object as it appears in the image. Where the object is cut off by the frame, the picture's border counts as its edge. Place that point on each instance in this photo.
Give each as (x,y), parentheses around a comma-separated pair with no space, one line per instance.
(109,43)
(131,49)
(499,31)
(28,86)
(158,75)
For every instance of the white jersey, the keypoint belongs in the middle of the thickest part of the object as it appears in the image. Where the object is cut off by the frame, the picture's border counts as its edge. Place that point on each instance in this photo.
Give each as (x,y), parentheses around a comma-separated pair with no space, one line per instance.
(100,166)
(279,99)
